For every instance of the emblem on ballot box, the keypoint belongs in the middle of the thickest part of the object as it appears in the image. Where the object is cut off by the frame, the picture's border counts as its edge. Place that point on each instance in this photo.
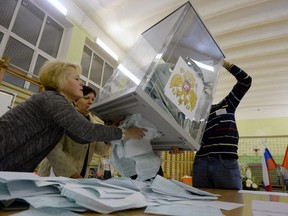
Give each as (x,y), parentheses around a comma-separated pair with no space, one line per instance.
(183,87)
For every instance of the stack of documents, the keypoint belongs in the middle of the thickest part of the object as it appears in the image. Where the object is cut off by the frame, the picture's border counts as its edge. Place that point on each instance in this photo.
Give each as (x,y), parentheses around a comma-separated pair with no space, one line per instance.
(69,195)
(168,197)
(136,157)
(65,196)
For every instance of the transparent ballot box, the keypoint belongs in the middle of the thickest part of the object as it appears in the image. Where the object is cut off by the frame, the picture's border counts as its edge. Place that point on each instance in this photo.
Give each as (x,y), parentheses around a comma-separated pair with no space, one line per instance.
(169,76)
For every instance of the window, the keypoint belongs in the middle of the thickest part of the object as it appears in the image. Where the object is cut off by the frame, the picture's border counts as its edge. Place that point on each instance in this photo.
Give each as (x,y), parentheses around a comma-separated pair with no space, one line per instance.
(21,56)
(28,22)
(86,61)
(51,37)
(29,36)
(6,10)
(108,71)
(95,70)
(1,36)
(39,62)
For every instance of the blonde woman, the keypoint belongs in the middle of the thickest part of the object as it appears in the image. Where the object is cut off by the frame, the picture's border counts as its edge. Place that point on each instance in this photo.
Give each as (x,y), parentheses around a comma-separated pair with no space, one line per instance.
(32,129)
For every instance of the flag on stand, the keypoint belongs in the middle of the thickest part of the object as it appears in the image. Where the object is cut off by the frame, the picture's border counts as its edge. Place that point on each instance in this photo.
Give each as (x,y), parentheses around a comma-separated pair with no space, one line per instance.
(285,160)
(268,164)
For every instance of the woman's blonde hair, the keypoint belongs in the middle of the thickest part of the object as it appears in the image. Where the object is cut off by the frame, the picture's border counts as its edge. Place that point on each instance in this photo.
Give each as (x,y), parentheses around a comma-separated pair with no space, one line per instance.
(53,74)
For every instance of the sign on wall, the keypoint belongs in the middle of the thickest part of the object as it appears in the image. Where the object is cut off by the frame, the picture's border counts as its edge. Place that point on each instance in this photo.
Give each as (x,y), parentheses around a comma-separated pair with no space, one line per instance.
(7,101)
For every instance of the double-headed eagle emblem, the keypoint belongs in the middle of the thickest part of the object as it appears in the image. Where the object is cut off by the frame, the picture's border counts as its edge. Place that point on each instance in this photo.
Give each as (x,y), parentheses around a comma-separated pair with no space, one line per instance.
(184,86)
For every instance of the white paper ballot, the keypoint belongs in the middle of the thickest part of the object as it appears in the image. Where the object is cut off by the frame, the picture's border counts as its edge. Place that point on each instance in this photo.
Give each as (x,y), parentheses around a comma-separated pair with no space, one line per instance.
(64,196)
(24,188)
(183,210)
(45,212)
(136,157)
(270,208)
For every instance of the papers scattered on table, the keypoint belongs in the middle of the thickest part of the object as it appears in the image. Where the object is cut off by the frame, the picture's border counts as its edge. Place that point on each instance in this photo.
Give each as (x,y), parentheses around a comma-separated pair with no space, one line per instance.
(264,192)
(171,188)
(266,208)
(217,204)
(66,196)
(183,210)
(136,157)
(171,197)
(45,212)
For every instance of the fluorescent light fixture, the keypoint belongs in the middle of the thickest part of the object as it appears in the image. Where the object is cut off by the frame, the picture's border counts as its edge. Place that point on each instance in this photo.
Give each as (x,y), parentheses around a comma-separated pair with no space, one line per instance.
(129,74)
(159,56)
(58,6)
(205,66)
(106,48)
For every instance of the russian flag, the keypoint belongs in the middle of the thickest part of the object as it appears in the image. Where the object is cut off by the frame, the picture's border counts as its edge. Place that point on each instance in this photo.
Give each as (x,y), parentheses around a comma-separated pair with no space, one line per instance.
(285,160)
(268,164)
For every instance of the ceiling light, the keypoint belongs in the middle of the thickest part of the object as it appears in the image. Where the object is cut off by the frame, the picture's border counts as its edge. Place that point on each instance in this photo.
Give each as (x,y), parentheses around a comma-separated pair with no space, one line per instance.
(128,73)
(59,6)
(106,48)
(159,55)
(204,66)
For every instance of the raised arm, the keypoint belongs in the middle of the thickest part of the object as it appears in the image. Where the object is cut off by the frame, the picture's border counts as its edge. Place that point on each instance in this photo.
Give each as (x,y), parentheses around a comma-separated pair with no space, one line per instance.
(243,84)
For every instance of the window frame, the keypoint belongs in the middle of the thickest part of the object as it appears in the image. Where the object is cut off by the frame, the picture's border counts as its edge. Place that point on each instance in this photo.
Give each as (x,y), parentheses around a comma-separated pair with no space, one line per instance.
(53,14)
(96,50)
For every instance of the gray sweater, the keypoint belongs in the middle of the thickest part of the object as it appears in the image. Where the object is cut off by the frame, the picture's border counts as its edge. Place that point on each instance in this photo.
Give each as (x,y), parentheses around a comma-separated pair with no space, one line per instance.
(30,131)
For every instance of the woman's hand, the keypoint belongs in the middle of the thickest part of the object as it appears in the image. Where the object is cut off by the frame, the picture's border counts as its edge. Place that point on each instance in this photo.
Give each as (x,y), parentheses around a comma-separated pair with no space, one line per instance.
(134,133)
(175,150)
(76,176)
(116,122)
(227,64)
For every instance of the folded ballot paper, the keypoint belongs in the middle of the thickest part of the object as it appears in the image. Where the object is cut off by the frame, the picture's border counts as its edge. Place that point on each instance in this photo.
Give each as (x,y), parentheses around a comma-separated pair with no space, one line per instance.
(136,157)
(65,196)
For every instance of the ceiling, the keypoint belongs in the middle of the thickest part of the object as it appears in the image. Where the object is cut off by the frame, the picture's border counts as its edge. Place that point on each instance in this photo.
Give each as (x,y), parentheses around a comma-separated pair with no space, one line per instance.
(252,33)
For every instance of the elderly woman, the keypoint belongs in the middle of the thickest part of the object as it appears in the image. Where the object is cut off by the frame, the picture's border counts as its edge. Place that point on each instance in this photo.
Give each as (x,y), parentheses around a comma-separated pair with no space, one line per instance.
(32,129)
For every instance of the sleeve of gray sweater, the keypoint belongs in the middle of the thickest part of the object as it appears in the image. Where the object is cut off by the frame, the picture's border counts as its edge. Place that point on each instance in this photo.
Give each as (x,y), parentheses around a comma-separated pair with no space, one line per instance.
(76,125)
(30,131)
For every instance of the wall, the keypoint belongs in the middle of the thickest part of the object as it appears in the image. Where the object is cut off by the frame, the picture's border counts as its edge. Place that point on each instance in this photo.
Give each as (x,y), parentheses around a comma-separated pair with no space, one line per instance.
(263,127)
(79,36)
(257,133)
(75,49)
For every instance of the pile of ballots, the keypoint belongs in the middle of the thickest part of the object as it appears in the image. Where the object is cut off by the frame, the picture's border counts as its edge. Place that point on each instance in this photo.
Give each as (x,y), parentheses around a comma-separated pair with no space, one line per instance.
(35,195)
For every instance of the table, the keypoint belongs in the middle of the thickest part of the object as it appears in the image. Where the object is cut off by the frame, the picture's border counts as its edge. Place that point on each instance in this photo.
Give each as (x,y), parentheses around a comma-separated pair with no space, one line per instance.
(245,198)
(226,196)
